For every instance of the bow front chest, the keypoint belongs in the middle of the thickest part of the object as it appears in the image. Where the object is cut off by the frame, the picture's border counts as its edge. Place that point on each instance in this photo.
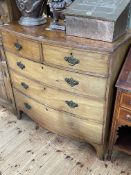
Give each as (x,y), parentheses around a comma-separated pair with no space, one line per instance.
(64,83)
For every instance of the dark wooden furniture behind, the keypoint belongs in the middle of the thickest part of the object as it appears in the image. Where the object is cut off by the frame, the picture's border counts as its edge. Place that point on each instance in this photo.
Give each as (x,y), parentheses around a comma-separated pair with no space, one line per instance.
(8,11)
(120,138)
(6,95)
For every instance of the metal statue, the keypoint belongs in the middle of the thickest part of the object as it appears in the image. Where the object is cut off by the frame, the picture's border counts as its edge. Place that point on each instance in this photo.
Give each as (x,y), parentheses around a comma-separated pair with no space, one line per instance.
(56,7)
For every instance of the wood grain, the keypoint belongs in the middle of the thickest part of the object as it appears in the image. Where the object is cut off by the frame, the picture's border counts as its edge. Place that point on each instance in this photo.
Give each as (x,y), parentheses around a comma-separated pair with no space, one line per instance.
(8,11)
(57,99)
(89,62)
(6,94)
(3,93)
(58,38)
(125,101)
(63,123)
(34,151)
(29,49)
(88,85)
(116,61)
(122,112)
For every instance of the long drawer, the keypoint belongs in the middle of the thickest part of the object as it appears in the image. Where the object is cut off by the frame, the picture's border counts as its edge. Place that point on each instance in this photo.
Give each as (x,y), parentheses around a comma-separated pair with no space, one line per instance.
(61,79)
(77,60)
(22,46)
(59,122)
(60,100)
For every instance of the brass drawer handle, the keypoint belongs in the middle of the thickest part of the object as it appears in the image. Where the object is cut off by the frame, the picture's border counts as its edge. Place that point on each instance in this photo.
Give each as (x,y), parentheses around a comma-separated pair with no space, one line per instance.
(72,60)
(27,106)
(71,82)
(71,104)
(24,85)
(18,46)
(20,65)
(128,117)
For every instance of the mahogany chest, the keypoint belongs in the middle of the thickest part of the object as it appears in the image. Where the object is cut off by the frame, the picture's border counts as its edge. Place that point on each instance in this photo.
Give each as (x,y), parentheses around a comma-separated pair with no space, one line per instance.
(64,83)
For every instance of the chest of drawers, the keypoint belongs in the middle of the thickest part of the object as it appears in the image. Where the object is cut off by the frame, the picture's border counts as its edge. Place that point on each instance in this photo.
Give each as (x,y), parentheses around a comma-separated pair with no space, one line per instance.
(64,83)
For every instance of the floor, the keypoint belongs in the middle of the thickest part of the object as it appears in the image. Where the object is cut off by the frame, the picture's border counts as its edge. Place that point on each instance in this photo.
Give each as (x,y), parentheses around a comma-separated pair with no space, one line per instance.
(27,149)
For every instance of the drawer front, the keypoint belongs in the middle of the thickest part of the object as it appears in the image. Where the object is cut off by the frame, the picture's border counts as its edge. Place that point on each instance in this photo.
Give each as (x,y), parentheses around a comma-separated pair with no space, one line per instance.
(126,101)
(78,60)
(24,47)
(60,100)
(59,122)
(125,115)
(72,82)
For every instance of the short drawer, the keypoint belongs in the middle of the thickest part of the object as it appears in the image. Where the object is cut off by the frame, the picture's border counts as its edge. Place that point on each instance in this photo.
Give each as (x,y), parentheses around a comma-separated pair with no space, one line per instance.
(125,115)
(77,60)
(22,46)
(126,101)
(61,79)
(85,108)
(59,122)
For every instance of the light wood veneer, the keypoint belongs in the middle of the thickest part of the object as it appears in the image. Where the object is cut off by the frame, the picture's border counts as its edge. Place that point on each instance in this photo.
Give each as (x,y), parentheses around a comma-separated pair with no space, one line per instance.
(64,83)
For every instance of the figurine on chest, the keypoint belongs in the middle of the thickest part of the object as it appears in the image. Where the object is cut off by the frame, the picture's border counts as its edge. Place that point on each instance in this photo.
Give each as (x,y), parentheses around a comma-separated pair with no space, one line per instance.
(56,7)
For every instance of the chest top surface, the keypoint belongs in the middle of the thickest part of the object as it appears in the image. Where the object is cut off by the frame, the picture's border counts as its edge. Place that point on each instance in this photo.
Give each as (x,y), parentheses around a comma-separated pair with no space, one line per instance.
(43,34)
(109,10)
(124,80)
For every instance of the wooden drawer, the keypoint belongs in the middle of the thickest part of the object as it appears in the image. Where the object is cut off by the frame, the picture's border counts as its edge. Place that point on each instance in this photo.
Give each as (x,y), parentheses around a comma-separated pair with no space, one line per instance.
(60,100)
(126,101)
(78,60)
(24,47)
(69,81)
(125,115)
(60,122)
